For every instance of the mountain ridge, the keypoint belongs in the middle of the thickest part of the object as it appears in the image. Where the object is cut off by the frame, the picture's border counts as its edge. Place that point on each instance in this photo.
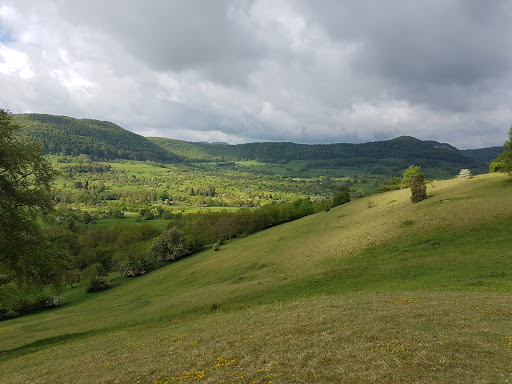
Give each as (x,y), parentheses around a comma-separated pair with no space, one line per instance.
(106,140)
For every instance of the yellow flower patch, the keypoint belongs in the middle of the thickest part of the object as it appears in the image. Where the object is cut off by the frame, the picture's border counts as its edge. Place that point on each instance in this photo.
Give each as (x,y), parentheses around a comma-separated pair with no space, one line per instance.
(403,300)
(223,370)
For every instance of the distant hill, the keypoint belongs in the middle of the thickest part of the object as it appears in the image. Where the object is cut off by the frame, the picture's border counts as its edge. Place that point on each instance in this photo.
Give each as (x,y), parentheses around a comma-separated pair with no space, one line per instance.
(98,139)
(400,147)
(483,154)
(187,149)
(398,151)
(105,140)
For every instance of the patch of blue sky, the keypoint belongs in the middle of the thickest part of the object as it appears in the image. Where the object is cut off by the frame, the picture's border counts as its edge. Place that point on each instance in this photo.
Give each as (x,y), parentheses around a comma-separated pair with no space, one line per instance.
(5,36)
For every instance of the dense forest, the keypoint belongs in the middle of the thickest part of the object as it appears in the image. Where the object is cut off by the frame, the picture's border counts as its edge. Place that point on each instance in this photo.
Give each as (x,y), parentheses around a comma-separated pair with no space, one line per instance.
(403,147)
(101,140)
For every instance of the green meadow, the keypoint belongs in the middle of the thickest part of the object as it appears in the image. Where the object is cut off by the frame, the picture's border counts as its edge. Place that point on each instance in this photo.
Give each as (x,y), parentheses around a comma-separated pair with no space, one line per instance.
(377,290)
(190,186)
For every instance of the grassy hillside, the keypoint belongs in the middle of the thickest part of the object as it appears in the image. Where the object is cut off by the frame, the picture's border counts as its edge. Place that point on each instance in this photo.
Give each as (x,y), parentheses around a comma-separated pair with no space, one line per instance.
(98,139)
(377,290)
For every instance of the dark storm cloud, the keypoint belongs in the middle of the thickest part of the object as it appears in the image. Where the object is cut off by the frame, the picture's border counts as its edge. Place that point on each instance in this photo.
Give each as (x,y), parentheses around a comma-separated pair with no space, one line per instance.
(294,70)
(428,52)
(174,35)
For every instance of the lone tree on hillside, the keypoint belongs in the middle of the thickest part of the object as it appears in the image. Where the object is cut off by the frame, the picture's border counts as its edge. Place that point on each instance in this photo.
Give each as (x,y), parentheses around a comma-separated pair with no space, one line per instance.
(416,181)
(25,178)
(503,163)
(418,188)
(409,173)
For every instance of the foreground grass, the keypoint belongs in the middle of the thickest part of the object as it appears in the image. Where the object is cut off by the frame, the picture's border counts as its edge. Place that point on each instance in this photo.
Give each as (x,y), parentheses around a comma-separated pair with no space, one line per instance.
(317,295)
(352,338)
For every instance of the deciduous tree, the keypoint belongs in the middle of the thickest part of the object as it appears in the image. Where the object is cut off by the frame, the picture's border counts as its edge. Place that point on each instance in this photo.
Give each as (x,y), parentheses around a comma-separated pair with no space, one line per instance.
(25,183)
(409,173)
(418,187)
(170,245)
(503,162)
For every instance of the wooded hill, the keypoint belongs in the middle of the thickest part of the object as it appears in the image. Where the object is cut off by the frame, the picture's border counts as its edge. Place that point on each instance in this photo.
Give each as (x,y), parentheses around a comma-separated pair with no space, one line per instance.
(400,148)
(388,157)
(98,139)
(105,140)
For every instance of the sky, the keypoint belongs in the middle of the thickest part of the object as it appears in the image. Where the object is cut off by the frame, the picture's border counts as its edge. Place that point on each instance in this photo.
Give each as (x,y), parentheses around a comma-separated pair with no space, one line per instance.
(325,71)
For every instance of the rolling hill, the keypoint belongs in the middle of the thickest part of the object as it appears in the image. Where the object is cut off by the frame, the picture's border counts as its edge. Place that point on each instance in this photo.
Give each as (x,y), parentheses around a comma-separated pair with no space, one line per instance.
(107,141)
(377,290)
(390,157)
(403,147)
(98,139)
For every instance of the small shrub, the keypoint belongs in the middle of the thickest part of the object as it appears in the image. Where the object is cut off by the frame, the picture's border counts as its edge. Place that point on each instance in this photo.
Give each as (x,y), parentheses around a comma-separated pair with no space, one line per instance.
(98,283)
(132,267)
(94,278)
(53,302)
(341,197)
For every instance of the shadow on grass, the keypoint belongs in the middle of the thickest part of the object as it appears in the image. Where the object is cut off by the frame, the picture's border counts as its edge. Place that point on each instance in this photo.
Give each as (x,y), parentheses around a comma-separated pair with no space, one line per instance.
(40,345)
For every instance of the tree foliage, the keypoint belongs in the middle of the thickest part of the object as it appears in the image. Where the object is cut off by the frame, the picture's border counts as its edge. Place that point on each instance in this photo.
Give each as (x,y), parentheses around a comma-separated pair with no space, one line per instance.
(97,139)
(418,187)
(170,245)
(413,170)
(25,192)
(341,197)
(503,163)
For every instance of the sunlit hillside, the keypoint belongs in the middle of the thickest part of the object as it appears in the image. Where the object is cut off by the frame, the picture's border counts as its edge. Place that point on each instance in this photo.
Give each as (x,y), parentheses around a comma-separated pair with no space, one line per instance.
(377,290)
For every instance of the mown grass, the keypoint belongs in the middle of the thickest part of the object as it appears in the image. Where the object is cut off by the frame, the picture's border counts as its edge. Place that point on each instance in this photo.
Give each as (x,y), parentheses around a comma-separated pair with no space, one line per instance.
(317,295)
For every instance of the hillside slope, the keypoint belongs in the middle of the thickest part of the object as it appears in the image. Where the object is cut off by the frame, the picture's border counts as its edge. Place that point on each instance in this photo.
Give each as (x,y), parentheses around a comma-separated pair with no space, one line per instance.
(399,152)
(483,154)
(330,297)
(98,139)
(400,147)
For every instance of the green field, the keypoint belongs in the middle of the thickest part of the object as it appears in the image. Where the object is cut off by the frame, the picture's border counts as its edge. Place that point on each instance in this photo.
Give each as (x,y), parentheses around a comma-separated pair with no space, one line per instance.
(194,186)
(377,290)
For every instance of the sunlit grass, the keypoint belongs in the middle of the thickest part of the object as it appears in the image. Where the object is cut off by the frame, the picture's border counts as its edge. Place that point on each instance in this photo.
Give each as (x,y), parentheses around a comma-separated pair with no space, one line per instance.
(377,290)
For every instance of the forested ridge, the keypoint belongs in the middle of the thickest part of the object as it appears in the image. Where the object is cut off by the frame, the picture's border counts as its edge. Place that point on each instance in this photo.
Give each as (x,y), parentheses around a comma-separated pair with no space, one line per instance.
(403,147)
(483,154)
(107,141)
(98,139)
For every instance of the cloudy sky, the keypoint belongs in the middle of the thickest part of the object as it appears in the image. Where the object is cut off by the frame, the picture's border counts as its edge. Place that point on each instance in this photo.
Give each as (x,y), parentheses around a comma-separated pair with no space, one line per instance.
(266,70)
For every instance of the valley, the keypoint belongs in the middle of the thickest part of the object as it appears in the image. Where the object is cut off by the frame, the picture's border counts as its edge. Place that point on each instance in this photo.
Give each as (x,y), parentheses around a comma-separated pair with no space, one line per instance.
(334,285)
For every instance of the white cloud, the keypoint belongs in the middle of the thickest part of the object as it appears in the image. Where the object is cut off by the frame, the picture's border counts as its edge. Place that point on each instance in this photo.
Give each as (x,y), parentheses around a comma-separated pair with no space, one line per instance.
(15,63)
(264,70)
